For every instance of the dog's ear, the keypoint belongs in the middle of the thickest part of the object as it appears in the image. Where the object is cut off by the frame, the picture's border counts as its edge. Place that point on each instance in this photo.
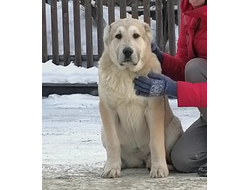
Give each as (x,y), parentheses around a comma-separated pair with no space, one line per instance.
(147,30)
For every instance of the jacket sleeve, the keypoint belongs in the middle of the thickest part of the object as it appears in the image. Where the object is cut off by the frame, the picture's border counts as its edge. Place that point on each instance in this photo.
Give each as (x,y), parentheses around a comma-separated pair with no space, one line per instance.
(192,94)
(174,66)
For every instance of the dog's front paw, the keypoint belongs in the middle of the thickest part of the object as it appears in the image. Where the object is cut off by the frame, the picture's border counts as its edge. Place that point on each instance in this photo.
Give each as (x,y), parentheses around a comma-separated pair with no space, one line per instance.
(111,172)
(159,172)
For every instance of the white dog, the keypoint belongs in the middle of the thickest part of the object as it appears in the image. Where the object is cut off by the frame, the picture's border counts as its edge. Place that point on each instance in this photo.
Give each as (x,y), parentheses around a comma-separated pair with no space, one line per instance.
(137,131)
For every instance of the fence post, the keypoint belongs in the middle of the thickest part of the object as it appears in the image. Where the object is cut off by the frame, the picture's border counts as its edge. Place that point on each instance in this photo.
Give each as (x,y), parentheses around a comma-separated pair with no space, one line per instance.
(89,41)
(66,47)
(54,26)
(134,5)
(159,21)
(179,15)
(171,27)
(123,6)
(77,33)
(111,11)
(100,27)
(146,11)
(44,34)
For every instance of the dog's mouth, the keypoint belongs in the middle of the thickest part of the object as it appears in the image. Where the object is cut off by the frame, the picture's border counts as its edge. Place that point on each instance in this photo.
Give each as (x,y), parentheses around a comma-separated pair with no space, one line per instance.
(127,59)
(128,63)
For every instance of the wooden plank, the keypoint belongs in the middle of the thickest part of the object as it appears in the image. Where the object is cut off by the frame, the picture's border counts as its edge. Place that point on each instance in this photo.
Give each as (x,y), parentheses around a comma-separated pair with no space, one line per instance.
(111,11)
(67,88)
(100,27)
(123,5)
(165,23)
(66,43)
(89,38)
(159,24)
(146,11)
(134,5)
(54,26)
(171,27)
(77,33)
(44,34)
(179,16)
(72,58)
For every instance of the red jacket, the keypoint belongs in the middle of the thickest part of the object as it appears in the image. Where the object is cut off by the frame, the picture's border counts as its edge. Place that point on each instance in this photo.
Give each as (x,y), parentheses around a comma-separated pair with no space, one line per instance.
(192,42)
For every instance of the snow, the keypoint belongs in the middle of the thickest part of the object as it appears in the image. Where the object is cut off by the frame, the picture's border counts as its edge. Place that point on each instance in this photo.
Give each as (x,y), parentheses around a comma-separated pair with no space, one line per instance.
(71,123)
(69,74)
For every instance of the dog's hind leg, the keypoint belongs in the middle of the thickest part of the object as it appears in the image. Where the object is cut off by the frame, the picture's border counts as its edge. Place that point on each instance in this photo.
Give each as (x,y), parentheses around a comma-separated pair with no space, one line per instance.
(173,132)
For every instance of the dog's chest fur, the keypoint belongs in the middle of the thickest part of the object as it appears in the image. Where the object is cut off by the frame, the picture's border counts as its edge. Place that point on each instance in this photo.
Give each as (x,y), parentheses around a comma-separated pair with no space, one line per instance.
(121,97)
(131,127)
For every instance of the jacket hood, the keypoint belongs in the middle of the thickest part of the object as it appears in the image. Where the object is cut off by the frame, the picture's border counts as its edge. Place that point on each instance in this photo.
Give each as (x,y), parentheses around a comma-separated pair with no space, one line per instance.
(188,9)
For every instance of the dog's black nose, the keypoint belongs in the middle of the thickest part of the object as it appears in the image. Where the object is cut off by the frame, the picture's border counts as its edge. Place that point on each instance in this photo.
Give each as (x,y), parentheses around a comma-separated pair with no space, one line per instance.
(127,52)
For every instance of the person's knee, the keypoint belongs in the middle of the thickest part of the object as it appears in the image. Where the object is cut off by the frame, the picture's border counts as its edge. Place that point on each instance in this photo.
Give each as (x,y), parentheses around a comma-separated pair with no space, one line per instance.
(196,70)
(188,163)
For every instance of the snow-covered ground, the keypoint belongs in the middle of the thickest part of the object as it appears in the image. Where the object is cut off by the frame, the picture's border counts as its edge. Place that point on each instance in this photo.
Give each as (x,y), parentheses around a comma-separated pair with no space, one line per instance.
(73,156)
(71,129)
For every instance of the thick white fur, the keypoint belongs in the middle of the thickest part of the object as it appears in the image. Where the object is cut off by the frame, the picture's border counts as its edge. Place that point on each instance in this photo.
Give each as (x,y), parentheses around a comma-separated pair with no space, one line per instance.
(136,130)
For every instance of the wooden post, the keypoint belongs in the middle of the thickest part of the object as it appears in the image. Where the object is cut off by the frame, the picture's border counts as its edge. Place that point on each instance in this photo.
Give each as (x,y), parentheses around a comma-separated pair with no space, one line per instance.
(100,27)
(89,41)
(111,11)
(146,11)
(159,24)
(77,33)
(171,27)
(54,26)
(123,6)
(44,34)
(66,46)
(179,16)
(134,5)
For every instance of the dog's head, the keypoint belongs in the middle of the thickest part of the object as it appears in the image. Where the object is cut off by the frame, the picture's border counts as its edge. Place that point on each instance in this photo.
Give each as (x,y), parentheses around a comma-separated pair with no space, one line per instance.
(127,42)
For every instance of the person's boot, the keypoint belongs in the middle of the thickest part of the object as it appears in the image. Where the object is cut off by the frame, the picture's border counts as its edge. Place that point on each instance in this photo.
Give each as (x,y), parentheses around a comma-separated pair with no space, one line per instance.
(202,170)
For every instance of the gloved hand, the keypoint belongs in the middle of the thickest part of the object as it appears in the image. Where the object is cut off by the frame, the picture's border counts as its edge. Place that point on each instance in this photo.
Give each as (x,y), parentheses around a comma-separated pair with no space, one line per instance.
(156,50)
(155,85)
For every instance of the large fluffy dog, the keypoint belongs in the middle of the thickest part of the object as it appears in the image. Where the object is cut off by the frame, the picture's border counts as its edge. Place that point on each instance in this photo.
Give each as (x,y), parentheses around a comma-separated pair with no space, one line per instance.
(137,131)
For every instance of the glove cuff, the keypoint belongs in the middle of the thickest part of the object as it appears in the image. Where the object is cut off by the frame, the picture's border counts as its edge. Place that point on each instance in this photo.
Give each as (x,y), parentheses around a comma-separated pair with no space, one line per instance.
(160,57)
(172,89)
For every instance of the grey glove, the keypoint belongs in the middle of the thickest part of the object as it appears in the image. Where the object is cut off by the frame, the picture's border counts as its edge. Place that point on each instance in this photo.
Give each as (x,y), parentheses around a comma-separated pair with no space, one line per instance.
(155,85)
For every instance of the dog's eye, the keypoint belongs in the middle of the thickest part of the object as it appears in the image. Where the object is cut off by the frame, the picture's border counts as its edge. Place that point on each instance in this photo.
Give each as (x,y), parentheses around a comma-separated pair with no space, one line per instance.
(136,35)
(118,36)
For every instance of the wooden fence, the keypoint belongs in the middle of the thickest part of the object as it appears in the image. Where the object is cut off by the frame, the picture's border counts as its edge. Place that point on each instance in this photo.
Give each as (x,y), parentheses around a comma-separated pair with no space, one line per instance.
(165,16)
